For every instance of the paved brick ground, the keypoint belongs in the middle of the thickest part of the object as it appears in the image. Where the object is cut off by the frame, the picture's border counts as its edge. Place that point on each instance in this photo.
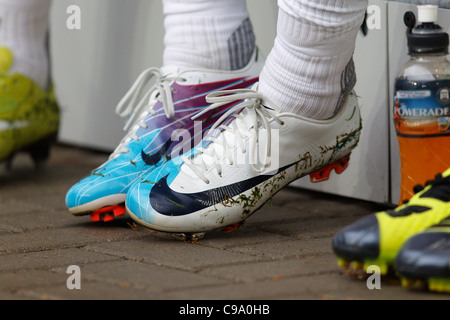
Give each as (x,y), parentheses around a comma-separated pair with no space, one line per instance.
(283,252)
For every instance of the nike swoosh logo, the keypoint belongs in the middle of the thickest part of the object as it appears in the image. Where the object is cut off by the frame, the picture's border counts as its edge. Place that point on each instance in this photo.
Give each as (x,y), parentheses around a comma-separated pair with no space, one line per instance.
(153,159)
(172,203)
(7,125)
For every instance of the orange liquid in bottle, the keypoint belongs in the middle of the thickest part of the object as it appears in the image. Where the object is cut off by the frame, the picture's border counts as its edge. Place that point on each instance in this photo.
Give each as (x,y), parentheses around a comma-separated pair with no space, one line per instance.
(424,150)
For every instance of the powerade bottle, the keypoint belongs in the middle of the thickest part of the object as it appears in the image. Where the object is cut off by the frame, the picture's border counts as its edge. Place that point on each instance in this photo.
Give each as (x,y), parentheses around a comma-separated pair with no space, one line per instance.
(422,104)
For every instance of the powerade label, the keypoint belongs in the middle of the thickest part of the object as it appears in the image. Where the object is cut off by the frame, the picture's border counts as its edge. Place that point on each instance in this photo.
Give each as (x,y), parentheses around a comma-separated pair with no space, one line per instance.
(422,108)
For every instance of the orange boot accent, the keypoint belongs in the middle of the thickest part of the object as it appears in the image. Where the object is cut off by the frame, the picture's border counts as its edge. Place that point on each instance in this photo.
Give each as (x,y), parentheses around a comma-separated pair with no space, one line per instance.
(233,227)
(107,213)
(324,173)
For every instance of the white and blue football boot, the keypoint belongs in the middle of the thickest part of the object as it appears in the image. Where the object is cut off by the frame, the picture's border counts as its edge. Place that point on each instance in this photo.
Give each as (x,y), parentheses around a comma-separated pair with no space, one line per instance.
(252,152)
(159,126)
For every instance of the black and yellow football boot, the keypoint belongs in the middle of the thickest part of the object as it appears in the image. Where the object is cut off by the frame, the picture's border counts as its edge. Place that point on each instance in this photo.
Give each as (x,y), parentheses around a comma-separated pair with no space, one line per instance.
(424,259)
(29,115)
(377,238)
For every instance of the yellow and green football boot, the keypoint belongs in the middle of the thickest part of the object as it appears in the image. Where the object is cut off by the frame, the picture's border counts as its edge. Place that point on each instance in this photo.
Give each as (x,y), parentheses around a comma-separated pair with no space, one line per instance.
(29,115)
(377,238)
(424,259)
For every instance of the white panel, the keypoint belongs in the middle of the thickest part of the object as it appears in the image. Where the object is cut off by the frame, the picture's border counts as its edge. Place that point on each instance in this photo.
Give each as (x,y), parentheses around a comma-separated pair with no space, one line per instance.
(93,67)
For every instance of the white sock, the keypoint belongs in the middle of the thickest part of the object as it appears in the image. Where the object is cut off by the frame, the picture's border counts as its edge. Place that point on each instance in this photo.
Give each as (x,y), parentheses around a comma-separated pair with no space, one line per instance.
(310,68)
(212,34)
(23,30)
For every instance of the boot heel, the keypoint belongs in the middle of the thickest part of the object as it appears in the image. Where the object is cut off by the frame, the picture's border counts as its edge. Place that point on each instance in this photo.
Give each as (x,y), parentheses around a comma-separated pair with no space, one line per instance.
(324,173)
(107,214)
(40,150)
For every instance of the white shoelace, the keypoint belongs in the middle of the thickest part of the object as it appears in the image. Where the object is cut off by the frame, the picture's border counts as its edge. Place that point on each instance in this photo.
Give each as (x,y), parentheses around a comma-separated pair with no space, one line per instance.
(138,111)
(258,107)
